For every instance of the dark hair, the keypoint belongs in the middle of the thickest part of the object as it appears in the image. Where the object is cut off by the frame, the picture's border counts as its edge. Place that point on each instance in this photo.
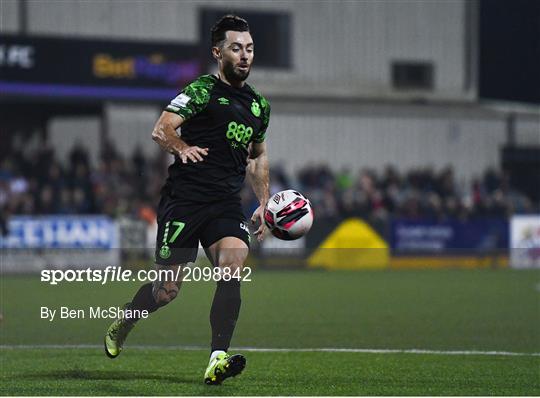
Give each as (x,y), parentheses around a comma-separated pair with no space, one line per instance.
(225,23)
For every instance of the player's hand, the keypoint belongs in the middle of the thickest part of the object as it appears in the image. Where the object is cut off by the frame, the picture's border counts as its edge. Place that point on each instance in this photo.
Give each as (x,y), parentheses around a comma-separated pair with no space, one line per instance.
(193,153)
(258,214)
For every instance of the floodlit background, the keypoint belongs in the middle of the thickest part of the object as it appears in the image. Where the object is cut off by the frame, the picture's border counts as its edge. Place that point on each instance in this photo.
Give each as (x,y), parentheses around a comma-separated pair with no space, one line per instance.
(412,126)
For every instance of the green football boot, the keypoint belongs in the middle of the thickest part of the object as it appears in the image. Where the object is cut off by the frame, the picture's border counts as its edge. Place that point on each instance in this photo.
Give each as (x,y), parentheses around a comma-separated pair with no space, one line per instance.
(224,366)
(116,335)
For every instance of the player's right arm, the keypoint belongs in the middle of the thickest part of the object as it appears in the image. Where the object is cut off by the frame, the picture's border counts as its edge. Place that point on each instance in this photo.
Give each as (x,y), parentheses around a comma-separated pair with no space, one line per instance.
(165,135)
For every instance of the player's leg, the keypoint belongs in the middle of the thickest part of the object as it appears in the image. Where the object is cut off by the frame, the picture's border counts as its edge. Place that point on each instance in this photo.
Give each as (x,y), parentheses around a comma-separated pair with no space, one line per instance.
(176,245)
(229,254)
(149,298)
(227,245)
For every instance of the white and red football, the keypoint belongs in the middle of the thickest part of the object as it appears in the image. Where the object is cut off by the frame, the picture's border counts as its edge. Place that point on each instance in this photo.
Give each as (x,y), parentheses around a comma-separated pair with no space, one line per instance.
(288,215)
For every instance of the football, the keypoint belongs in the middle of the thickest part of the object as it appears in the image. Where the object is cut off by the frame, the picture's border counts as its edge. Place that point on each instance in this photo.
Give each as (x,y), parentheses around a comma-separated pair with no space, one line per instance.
(288,215)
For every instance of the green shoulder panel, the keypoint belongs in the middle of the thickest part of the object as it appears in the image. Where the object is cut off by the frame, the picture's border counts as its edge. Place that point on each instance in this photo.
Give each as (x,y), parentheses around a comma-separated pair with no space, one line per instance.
(265,105)
(193,98)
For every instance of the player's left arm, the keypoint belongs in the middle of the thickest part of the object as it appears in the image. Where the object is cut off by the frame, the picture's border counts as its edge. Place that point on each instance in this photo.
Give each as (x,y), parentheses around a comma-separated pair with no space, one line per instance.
(258,174)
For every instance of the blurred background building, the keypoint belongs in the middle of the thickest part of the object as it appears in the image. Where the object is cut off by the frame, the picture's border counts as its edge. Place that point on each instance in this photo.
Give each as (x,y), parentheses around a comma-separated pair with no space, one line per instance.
(389,111)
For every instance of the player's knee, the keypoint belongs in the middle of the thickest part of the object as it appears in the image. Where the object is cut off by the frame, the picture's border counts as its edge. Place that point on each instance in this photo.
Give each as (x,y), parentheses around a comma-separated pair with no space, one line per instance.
(233,266)
(233,259)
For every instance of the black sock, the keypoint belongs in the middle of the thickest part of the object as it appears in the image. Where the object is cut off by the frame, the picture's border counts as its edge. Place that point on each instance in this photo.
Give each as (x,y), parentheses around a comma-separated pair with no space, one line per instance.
(143,300)
(224,313)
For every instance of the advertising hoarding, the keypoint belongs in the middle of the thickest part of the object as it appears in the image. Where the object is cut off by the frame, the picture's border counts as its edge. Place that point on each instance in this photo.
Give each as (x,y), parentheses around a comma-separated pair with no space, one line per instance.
(525,241)
(97,69)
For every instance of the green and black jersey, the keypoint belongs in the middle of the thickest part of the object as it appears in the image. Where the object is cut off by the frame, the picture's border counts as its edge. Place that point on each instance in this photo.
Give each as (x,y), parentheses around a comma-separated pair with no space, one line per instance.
(225,120)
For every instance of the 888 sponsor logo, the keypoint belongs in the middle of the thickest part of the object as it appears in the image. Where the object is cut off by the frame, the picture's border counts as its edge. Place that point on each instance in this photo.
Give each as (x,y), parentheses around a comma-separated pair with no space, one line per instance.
(238,134)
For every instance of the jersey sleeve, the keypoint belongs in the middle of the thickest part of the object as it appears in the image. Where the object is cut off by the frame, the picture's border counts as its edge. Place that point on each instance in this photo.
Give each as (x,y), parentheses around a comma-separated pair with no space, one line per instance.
(193,98)
(261,135)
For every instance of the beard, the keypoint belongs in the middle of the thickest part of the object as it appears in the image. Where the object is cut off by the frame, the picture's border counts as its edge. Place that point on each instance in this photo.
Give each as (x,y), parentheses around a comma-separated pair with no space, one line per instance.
(232,74)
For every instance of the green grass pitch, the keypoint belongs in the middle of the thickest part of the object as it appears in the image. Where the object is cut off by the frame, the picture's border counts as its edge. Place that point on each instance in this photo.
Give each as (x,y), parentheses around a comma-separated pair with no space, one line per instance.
(440,310)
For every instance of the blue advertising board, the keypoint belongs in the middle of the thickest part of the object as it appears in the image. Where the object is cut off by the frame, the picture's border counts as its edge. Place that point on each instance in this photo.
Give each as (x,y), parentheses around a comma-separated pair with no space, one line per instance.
(60,232)
(435,237)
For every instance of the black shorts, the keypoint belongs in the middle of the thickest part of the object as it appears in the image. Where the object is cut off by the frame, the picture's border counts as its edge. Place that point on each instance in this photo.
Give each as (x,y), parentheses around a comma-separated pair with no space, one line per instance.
(182,226)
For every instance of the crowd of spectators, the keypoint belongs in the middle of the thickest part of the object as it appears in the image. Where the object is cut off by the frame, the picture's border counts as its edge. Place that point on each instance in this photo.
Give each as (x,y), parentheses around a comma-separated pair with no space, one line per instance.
(422,193)
(38,183)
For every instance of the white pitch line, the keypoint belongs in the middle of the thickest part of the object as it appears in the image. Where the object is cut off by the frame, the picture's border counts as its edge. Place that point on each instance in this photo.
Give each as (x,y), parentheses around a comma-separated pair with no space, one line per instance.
(257,349)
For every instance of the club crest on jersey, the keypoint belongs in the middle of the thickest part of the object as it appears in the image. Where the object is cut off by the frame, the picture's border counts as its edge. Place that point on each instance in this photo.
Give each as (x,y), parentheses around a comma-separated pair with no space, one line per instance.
(223,101)
(181,100)
(165,252)
(256,108)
